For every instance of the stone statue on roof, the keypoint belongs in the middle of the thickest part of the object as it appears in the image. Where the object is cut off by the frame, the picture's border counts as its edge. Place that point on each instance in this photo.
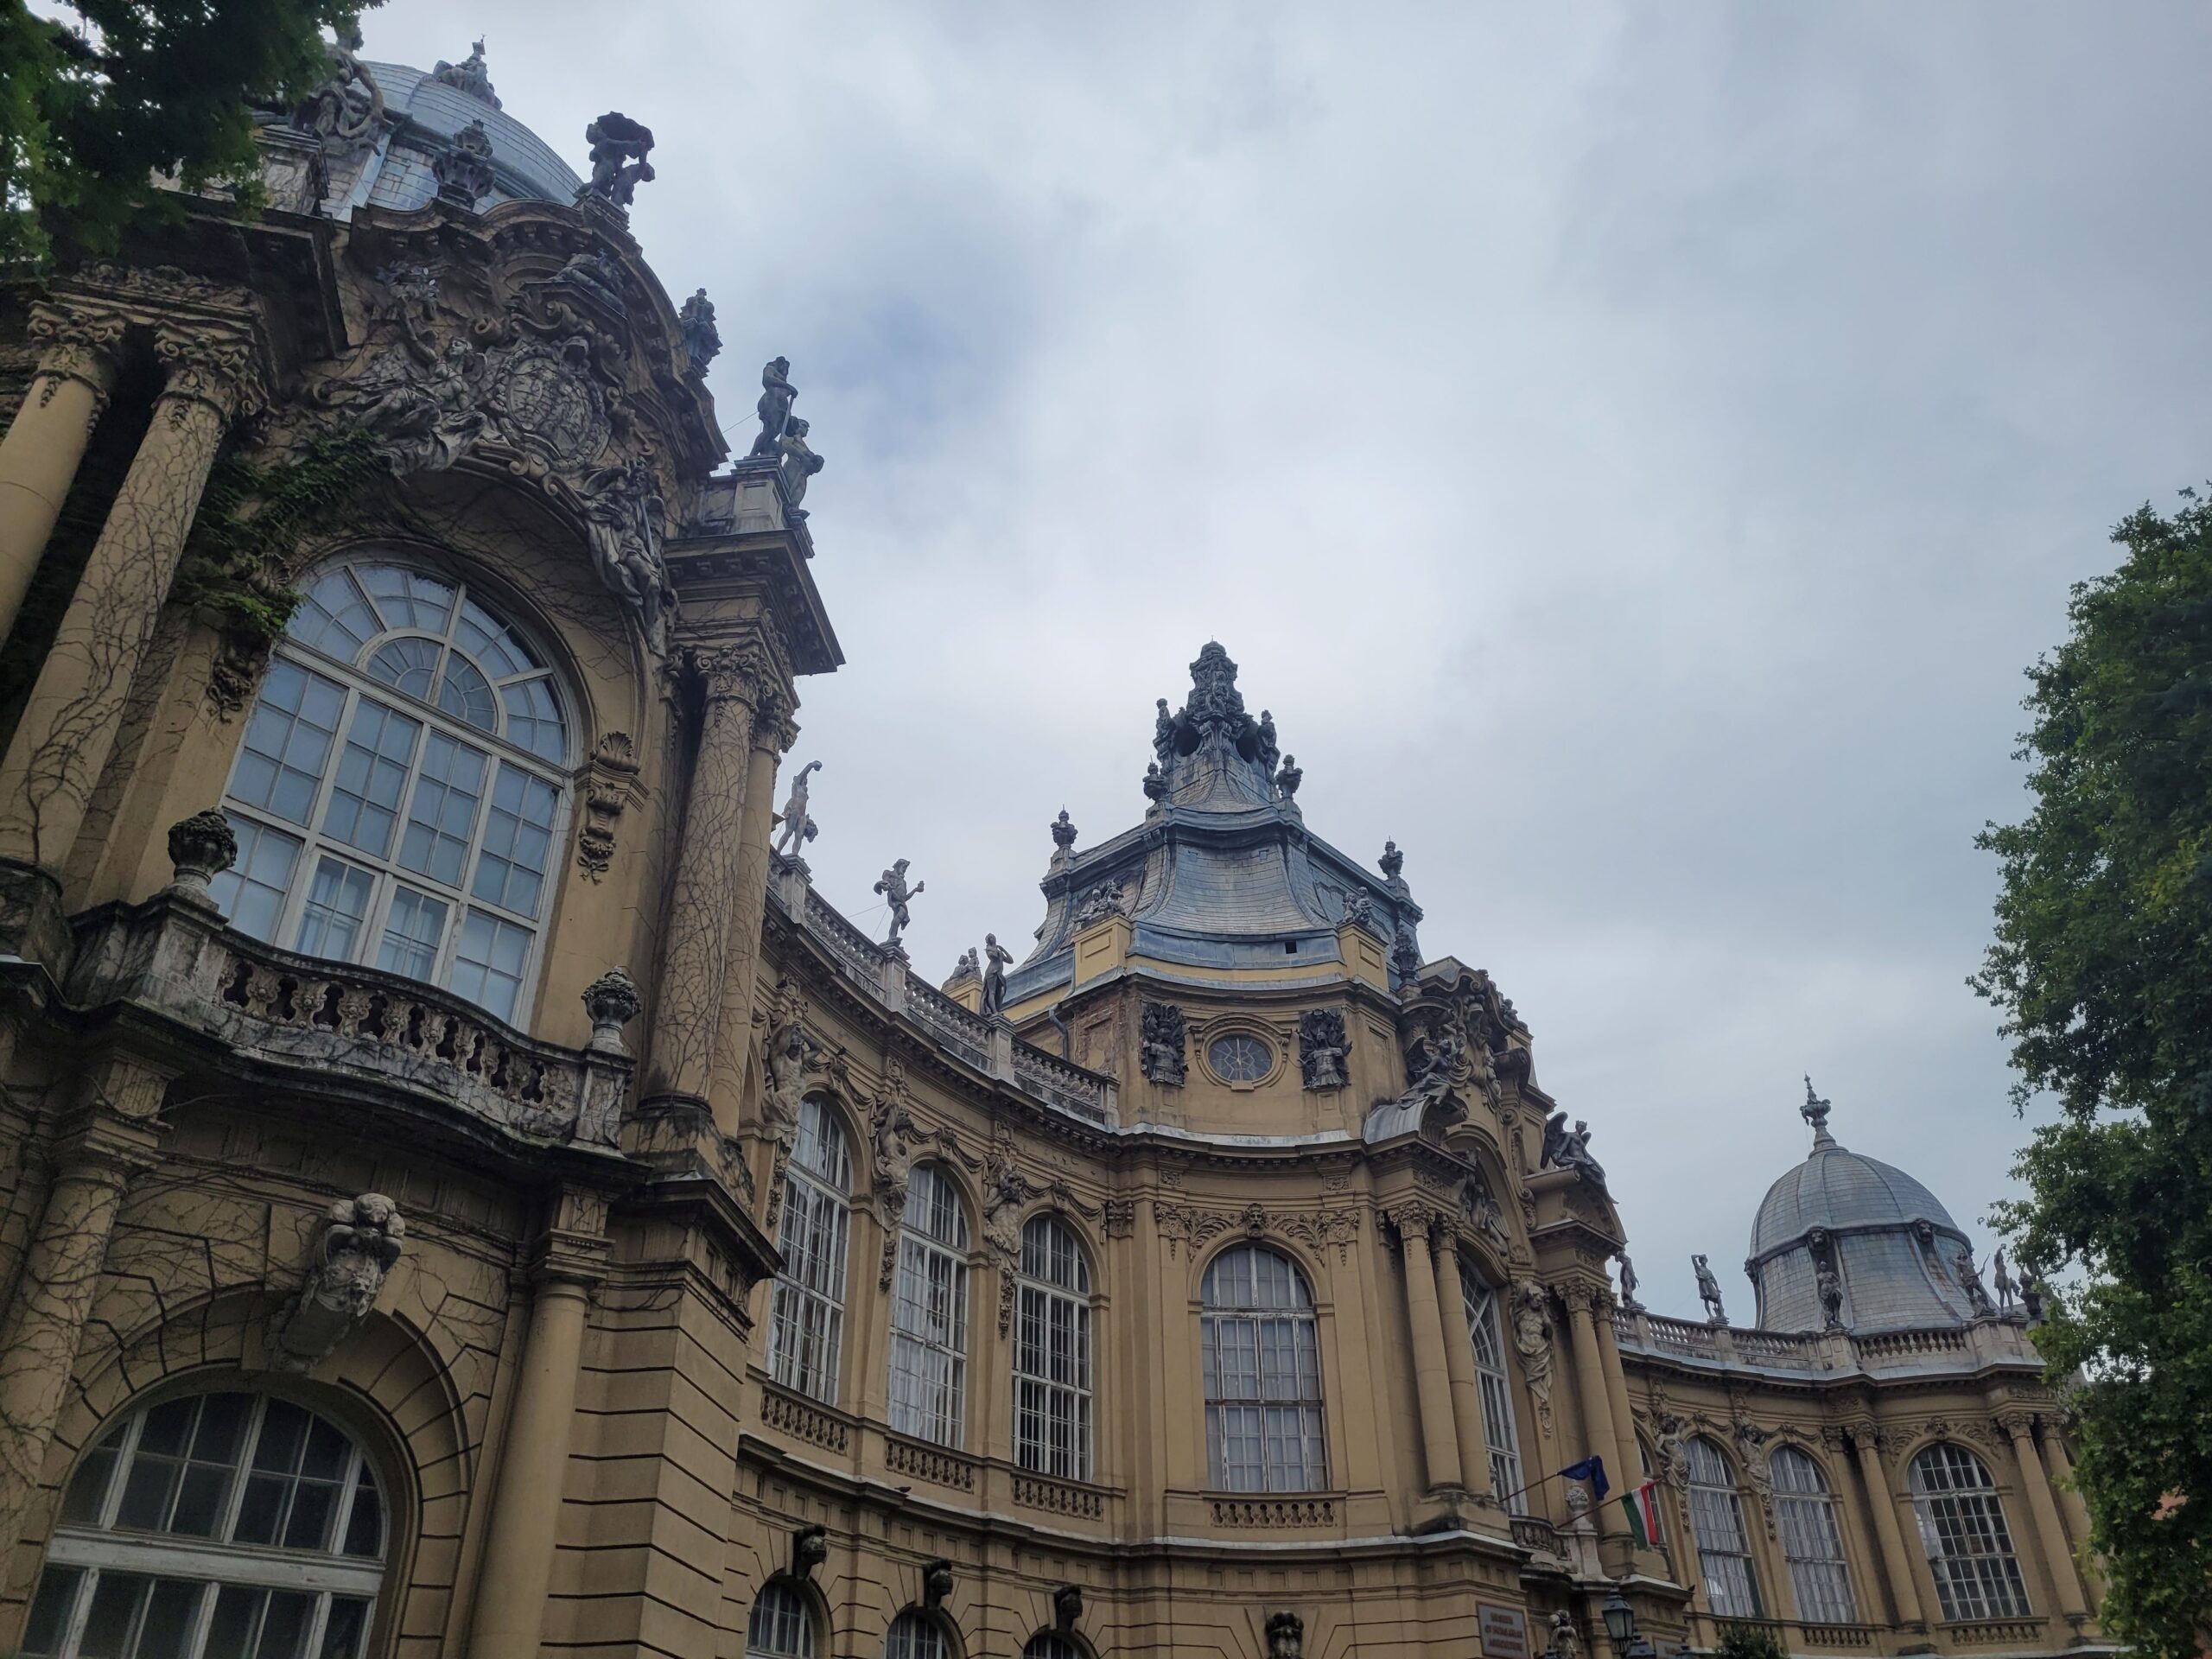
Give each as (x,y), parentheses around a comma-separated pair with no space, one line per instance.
(895,893)
(469,76)
(619,148)
(774,406)
(1708,1290)
(797,463)
(701,339)
(799,824)
(998,957)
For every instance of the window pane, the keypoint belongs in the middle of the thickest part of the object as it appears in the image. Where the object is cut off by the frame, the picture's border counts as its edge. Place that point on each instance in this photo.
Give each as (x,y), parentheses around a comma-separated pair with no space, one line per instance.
(408,599)
(288,742)
(117,1600)
(517,837)
(465,694)
(251,892)
(171,1612)
(334,617)
(87,1493)
(365,1527)
(50,1613)
(342,1631)
(487,963)
(412,929)
(491,643)
(372,774)
(407,665)
(337,900)
(534,719)
(443,815)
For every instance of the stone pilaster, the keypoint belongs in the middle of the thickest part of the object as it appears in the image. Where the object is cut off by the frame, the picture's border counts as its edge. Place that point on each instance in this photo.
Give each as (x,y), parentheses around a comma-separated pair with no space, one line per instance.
(1629,1471)
(46,439)
(688,1011)
(1582,1304)
(1882,1505)
(517,1569)
(2020,1427)
(2069,1502)
(773,733)
(1459,1366)
(108,1137)
(69,724)
(1440,1438)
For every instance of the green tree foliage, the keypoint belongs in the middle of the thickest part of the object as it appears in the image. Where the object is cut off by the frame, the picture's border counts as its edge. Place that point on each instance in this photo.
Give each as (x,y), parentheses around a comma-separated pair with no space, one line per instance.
(1748,1642)
(94,105)
(2102,966)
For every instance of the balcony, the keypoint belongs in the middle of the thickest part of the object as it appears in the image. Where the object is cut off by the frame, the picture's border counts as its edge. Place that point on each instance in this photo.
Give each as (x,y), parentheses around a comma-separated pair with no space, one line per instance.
(332,1026)
(1838,1353)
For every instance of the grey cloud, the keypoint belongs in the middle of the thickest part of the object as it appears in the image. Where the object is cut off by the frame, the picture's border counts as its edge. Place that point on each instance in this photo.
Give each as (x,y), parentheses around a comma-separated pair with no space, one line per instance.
(1632,450)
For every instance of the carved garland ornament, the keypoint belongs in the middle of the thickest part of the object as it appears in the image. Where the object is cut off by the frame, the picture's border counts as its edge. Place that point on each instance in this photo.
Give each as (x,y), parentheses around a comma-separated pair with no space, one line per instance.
(1187,1227)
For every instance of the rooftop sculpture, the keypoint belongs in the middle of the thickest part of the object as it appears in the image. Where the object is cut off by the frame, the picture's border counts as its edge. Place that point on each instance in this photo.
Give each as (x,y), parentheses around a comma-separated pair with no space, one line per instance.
(799,824)
(895,893)
(619,148)
(468,75)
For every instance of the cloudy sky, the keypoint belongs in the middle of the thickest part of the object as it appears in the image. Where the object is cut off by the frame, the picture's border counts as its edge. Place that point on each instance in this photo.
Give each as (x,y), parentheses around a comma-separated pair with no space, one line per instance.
(1633,450)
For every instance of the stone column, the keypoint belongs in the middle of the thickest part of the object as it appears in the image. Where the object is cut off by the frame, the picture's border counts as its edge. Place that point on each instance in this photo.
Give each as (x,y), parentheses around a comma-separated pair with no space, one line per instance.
(1882,1503)
(1582,1301)
(2020,1427)
(1630,1471)
(1459,1366)
(109,1137)
(695,960)
(2069,1500)
(46,439)
(773,734)
(68,726)
(1432,1376)
(518,1566)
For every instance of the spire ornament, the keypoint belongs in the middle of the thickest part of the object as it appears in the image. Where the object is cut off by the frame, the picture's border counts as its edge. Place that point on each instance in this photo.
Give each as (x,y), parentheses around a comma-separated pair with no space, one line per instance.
(1815,1111)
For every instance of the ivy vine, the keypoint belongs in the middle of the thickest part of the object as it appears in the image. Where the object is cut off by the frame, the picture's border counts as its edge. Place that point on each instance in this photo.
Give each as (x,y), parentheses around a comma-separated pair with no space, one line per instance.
(253,518)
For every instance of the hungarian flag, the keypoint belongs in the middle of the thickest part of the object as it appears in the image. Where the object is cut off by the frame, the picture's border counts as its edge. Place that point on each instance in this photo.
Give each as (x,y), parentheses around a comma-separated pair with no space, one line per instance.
(1642,1503)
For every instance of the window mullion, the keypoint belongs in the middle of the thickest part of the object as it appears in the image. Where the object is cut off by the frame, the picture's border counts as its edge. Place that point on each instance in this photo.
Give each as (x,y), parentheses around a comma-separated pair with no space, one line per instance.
(246,1447)
(195,1643)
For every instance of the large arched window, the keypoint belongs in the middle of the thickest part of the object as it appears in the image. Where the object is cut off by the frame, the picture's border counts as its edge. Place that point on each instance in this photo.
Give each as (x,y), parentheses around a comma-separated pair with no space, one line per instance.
(401,787)
(213,1525)
(1050,1645)
(1052,1353)
(1723,1548)
(806,1331)
(917,1635)
(1962,1528)
(929,1312)
(780,1627)
(1811,1543)
(1496,1387)
(1262,1359)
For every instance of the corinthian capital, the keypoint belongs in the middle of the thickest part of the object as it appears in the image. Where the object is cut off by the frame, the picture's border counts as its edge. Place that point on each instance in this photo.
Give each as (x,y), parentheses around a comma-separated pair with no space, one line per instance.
(733,673)
(1412,1219)
(213,366)
(75,343)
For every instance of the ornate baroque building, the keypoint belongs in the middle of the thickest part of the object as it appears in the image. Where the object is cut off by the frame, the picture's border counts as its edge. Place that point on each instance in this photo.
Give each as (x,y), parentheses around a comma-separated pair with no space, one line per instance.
(463,1190)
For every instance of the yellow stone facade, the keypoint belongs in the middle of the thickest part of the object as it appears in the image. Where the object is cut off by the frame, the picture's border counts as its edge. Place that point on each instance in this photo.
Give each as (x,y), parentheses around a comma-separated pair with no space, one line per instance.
(492,1241)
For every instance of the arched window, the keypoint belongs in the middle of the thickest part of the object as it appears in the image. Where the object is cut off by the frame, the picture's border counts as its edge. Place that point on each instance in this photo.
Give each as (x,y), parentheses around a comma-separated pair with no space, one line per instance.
(401,787)
(1963,1528)
(1811,1542)
(780,1627)
(1050,1645)
(1724,1548)
(806,1331)
(1262,1357)
(917,1635)
(1496,1387)
(1052,1353)
(929,1312)
(212,1525)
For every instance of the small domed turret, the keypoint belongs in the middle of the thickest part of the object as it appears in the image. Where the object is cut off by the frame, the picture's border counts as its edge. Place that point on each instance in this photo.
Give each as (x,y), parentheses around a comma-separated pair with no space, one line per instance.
(1847,1242)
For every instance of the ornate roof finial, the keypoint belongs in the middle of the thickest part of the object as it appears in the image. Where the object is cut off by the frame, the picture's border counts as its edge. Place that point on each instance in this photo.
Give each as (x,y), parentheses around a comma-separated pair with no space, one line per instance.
(1815,1111)
(1064,832)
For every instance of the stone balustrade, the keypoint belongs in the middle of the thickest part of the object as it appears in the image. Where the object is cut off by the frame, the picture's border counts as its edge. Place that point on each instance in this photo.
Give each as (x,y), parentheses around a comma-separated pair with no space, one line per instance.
(1940,1348)
(988,1045)
(329,1022)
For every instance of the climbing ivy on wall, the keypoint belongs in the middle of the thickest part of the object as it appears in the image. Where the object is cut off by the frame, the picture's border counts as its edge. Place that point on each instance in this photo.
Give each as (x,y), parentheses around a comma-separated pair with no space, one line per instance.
(255,515)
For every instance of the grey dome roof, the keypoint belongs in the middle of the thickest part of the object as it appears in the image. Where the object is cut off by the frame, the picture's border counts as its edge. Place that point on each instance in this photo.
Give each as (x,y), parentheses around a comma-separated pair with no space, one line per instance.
(1840,1190)
(1896,1259)
(523,163)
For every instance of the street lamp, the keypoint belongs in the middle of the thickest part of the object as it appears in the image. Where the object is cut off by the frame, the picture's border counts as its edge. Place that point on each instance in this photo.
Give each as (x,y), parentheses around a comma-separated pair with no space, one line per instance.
(1620,1620)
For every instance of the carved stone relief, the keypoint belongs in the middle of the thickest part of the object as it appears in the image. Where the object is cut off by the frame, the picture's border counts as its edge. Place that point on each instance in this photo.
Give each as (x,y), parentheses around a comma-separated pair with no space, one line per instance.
(1163,1045)
(610,786)
(361,1244)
